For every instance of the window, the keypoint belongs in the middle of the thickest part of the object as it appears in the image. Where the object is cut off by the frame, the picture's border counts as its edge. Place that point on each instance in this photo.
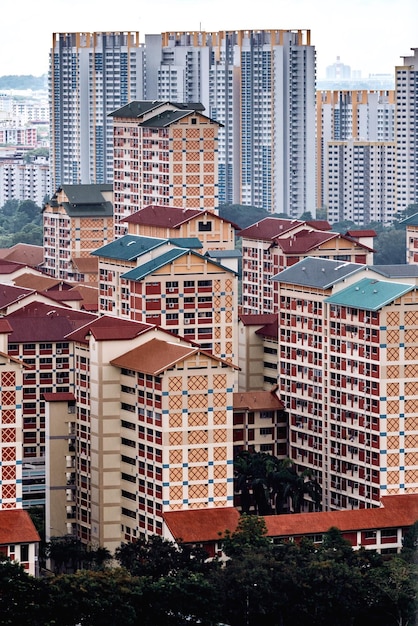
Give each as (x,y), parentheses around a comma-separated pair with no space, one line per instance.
(204,227)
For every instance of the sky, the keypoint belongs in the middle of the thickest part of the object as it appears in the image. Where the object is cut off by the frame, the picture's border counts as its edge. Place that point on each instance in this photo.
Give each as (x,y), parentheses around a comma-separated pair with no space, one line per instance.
(368,35)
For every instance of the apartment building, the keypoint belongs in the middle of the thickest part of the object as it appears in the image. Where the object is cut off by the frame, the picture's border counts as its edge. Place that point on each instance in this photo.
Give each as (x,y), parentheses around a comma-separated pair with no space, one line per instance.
(21,180)
(91,75)
(272,244)
(214,232)
(361,182)
(37,339)
(161,282)
(164,154)
(405,134)
(347,356)
(257,351)
(77,220)
(153,432)
(345,116)
(260,86)
(411,224)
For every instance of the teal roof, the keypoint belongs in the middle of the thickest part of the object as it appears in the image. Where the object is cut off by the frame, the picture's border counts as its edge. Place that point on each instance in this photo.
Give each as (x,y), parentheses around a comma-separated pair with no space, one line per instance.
(129,247)
(412,220)
(186,242)
(369,294)
(138,273)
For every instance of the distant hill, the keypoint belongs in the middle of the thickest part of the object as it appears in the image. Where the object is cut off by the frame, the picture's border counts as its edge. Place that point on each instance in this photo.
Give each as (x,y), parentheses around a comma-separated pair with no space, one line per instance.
(22,83)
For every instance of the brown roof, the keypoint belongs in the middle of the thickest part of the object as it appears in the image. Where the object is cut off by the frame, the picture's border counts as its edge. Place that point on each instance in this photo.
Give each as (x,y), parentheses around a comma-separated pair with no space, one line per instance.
(5,326)
(155,356)
(38,321)
(59,396)
(270,331)
(258,319)
(25,253)
(9,294)
(304,241)
(67,295)
(107,328)
(202,525)
(8,267)
(89,295)
(86,264)
(16,526)
(257,401)
(396,511)
(40,282)
(168,216)
(193,526)
(268,228)
(361,233)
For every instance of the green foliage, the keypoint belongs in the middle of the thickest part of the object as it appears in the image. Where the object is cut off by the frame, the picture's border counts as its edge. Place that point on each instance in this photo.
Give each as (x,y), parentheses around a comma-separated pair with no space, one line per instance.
(267,484)
(250,534)
(20,222)
(390,248)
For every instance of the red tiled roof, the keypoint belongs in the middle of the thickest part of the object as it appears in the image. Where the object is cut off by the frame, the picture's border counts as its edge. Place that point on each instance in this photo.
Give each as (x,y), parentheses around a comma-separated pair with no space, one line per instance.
(396,511)
(107,328)
(38,321)
(68,295)
(304,241)
(361,233)
(16,526)
(268,228)
(59,396)
(25,253)
(258,319)
(319,224)
(193,526)
(86,264)
(8,267)
(270,331)
(257,401)
(9,294)
(155,356)
(5,326)
(163,216)
(41,282)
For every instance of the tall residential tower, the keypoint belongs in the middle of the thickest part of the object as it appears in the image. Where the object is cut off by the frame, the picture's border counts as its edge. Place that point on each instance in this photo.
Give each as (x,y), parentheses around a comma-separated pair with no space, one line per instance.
(260,85)
(91,75)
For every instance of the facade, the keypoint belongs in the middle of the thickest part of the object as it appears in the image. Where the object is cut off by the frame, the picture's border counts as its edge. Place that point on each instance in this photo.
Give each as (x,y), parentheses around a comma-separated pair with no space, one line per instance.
(260,85)
(91,75)
(164,154)
(406,136)
(214,232)
(273,244)
(260,423)
(411,238)
(161,282)
(360,182)
(346,115)
(77,220)
(19,539)
(37,339)
(347,355)
(21,180)
(257,352)
(18,136)
(153,430)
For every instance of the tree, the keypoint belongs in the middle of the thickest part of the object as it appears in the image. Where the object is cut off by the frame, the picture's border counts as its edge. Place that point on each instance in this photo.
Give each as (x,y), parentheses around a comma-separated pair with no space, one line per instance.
(250,534)
(390,248)
(20,597)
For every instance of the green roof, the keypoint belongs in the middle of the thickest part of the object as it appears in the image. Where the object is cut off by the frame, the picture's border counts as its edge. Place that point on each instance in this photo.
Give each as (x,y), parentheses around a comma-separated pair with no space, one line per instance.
(369,294)
(86,200)
(129,247)
(412,220)
(187,242)
(138,273)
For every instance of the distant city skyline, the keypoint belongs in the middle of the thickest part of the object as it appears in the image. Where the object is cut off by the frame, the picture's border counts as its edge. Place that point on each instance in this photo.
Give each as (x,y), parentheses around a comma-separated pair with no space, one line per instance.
(368,35)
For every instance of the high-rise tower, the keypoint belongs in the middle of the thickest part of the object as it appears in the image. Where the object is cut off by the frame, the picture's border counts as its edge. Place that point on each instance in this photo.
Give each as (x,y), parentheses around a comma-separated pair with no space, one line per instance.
(91,75)
(260,85)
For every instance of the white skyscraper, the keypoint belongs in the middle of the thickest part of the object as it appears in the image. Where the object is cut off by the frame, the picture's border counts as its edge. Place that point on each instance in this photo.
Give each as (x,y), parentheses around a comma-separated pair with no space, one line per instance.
(91,75)
(406,86)
(260,85)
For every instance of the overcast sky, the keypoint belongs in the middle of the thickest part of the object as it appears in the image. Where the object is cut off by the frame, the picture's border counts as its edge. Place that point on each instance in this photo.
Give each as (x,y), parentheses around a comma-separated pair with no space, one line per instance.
(369,35)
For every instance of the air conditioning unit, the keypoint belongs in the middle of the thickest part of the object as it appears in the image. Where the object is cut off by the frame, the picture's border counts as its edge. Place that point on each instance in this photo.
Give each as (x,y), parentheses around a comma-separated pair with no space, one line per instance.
(59,366)
(171,306)
(187,321)
(60,381)
(171,289)
(59,350)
